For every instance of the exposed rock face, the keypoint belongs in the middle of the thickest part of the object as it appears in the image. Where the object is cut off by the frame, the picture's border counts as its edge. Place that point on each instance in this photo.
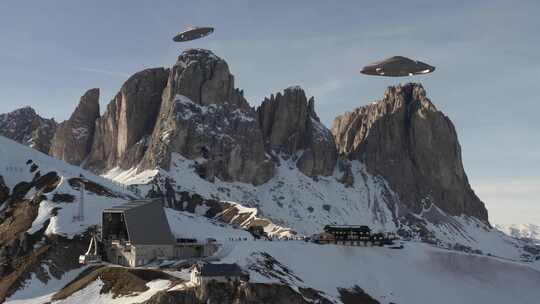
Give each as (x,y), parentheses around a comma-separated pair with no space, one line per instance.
(121,134)
(73,139)
(28,128)
(251,293)
(204,117)
(405,139)
(4,190)
(290,125)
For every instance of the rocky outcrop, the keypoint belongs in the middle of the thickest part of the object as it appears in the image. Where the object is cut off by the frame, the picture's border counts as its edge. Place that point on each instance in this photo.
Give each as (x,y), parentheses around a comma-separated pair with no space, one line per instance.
(73,139)
(291,127)
(204,117)
(405,139)
(122,133)
(4,190)
(28,128)
(355,295)
(27,254)
(251,293)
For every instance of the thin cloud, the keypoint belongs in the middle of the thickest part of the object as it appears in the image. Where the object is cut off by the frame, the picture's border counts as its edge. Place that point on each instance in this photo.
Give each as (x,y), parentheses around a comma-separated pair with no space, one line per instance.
(326,88)
(104,72)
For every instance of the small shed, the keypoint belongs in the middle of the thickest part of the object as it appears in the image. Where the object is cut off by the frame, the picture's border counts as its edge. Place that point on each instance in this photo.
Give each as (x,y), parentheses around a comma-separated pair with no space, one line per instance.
(203,273)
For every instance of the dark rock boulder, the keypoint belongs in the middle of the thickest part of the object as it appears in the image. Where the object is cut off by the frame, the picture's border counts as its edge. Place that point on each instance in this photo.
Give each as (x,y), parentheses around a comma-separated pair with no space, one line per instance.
(122,133)
(291,127)
(28,128)
(4,190)
(405,139)
(355,295)
(73,139)
(204,117)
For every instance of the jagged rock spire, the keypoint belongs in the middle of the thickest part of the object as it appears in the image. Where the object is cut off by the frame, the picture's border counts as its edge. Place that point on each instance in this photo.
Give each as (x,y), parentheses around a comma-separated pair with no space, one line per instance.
(204,117)
(290,125)
(73,139)
(406,140)
(122,133)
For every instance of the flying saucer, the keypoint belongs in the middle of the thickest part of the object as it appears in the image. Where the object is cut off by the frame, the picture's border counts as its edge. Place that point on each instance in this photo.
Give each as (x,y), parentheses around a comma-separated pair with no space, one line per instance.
(192,33)
(397,66)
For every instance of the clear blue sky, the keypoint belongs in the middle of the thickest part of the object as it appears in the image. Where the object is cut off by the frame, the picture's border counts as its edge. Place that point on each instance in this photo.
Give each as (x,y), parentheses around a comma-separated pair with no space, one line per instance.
(487,55)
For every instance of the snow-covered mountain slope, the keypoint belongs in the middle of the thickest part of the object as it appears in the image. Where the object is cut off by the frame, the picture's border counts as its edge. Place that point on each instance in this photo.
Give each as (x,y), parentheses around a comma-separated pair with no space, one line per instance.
(521,231)
(107,278)
(37,291)
(420,273)
(16,163)
(294,200)
(33,239)
(13,168)
(291,199)
(417,274)
(91,294)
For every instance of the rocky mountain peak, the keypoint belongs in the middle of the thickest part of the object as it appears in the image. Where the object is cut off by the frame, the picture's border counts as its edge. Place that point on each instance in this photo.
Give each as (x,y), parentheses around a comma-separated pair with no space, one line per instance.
(205,79)
(89,100)
(351,129)
(122,133)
(203,116)
(290,125)
(73,139)
(284,118)
(405,139)
(24,111)
(25,126)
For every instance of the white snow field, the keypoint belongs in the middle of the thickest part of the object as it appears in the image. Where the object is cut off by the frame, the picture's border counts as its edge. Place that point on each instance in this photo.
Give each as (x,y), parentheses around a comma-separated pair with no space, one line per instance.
(290,199)
(36,291)
(418,273)
(91,294)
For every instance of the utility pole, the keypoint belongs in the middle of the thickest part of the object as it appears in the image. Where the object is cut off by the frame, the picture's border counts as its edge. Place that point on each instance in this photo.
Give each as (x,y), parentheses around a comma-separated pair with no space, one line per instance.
(80,216)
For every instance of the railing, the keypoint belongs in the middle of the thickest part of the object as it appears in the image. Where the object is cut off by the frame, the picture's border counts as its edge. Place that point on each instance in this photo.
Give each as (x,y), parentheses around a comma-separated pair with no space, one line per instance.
(14,169)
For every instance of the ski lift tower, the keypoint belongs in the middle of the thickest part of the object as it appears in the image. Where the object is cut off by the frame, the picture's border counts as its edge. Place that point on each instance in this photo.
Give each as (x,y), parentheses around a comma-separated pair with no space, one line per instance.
(80,214)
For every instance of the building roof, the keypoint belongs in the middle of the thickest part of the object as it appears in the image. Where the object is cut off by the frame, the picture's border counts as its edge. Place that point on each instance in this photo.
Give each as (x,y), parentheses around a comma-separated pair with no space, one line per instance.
(146,222)
(361,228)
(220,270)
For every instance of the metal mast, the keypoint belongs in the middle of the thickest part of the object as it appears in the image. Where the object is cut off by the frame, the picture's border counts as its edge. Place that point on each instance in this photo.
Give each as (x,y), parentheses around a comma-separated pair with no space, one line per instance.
(81,201)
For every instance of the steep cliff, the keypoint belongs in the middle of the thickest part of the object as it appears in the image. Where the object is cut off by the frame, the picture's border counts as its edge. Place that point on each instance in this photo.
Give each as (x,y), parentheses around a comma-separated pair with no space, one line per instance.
(121,134)
(73,138)
(28,128)
(414,146)
(291,127)
(204,117)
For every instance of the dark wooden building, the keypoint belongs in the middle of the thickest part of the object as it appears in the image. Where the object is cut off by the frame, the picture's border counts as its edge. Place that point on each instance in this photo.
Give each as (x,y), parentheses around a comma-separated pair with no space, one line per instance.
(349,234)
